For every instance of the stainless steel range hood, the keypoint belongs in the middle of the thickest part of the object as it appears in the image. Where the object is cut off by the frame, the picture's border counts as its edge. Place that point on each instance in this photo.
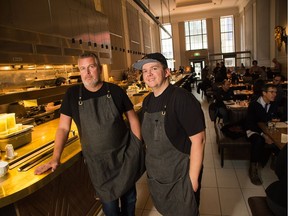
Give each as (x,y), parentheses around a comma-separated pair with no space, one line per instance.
(24,47)
(52,32)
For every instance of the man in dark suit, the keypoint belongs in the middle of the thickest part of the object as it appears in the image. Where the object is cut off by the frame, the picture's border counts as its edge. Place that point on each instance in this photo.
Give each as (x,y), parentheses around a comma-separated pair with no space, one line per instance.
(260,110)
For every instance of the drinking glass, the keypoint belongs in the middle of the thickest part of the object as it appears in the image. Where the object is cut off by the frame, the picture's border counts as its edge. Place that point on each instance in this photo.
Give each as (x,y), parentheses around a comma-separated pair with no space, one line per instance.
(274,119)
(270,125)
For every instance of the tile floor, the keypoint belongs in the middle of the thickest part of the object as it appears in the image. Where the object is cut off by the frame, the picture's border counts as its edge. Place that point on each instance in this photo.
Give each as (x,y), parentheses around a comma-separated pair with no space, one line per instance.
(225,191)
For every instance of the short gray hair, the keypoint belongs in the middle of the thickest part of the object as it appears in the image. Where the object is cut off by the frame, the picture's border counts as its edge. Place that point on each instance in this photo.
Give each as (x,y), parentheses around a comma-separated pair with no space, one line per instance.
(90,55)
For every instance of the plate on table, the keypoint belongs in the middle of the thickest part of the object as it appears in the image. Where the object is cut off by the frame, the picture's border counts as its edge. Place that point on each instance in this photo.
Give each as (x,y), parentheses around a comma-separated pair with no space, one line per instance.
(229,102)
(236,106)
(281,125)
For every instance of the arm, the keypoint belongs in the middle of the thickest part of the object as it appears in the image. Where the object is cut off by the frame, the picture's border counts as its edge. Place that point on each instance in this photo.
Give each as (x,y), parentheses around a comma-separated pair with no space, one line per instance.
(60,140)
(196,157)
(52,107)
(134,123)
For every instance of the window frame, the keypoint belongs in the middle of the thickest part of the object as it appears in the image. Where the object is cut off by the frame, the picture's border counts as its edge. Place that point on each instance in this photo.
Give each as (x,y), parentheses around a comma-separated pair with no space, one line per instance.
(225,34)
(195,38)
(167,41)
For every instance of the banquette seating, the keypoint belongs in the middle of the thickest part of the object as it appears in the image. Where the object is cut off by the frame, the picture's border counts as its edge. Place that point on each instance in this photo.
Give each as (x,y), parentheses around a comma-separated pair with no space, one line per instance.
(259,207)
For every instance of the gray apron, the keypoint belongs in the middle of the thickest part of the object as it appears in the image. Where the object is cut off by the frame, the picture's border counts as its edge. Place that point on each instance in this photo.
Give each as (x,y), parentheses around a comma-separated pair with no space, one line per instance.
(167,170)
(114,155)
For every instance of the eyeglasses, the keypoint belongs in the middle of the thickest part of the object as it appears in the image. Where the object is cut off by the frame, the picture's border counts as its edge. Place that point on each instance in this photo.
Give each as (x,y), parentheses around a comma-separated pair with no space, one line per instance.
(272,92)
(277,80)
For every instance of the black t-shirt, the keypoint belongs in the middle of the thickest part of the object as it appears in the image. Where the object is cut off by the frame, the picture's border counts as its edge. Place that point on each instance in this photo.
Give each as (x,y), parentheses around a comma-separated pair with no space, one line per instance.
(222,95)
(184,116)
(70,105)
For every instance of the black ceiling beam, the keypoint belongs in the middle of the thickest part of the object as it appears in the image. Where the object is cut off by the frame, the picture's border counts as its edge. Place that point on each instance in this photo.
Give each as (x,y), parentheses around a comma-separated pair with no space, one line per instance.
(148,12)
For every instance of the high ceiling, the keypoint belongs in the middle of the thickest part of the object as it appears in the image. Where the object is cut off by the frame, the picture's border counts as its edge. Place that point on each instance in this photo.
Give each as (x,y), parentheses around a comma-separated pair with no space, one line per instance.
(162,8)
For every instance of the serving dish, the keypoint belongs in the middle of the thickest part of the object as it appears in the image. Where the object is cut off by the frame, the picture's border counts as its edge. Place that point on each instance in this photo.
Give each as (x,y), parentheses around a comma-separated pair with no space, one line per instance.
(23,128)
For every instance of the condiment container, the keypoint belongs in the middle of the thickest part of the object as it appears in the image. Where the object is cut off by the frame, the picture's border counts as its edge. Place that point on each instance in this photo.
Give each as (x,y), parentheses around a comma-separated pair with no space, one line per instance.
(3,168)
(3,125)
(10,154)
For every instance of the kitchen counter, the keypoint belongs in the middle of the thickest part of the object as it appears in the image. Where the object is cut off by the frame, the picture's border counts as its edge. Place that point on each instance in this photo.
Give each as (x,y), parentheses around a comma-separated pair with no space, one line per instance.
(17,188)
(10,183)
(22,189)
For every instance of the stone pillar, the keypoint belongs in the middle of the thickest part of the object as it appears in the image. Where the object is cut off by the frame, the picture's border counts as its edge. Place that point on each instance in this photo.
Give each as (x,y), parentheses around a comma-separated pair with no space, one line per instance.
(262,32)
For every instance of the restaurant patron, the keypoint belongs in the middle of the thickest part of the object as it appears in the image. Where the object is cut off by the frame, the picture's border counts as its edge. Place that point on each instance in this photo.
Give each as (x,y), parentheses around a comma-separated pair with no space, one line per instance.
(260,110)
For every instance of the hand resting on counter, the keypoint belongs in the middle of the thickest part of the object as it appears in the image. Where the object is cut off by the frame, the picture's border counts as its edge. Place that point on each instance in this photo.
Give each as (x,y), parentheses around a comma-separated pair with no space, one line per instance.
(45,167)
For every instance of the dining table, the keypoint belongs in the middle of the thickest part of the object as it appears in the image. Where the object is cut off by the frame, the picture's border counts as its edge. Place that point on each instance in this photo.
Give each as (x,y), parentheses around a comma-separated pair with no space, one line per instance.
(243,92)
(240,86)
(236,105)
(278,133)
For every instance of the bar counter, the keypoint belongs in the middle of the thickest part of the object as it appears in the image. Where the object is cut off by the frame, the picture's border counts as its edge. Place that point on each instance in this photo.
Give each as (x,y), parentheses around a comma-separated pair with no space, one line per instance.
(66,191)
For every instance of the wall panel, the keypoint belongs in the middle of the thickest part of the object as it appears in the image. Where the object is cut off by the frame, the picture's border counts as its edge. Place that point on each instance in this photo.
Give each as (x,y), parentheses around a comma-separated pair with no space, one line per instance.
(248,28)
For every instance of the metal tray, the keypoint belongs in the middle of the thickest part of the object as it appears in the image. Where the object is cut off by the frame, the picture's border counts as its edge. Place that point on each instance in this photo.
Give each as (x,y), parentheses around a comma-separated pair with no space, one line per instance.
(24,129)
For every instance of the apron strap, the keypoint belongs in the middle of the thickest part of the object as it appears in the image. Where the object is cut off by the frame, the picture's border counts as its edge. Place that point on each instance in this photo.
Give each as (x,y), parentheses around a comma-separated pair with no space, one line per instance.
(165,104)
(108,90)
(80,102)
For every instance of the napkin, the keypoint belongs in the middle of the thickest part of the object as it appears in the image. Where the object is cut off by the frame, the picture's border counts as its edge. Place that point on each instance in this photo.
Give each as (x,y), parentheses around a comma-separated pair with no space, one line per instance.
(281,125)
(284,138)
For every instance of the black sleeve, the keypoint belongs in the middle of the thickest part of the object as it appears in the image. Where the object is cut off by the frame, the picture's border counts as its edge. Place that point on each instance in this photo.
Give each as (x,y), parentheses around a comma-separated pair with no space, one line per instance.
(189,113)
(185,119)
(69,101)
(120,98)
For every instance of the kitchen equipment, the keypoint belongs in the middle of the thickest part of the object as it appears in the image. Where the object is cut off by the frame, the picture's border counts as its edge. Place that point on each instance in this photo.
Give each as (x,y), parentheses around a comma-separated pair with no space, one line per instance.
(11,121)
(3,125)
(41,156)
(18,138)
(39,114)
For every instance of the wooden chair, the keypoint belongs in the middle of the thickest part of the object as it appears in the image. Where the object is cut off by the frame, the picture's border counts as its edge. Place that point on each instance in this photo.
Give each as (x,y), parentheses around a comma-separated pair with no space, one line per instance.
(227,142)
(259,206)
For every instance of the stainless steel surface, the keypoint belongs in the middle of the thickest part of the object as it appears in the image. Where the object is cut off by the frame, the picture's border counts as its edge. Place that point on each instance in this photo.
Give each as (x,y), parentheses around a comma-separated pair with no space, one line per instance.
(42,155)
(19,160)
(36,160)
(27,37)
(44,95)
(17,140)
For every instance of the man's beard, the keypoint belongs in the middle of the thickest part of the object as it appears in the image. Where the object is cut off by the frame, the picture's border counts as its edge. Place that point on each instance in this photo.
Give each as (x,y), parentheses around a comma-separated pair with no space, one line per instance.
(92,83)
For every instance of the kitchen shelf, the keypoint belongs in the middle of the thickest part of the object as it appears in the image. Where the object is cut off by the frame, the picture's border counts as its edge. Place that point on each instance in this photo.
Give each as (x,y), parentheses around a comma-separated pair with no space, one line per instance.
(42,96)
